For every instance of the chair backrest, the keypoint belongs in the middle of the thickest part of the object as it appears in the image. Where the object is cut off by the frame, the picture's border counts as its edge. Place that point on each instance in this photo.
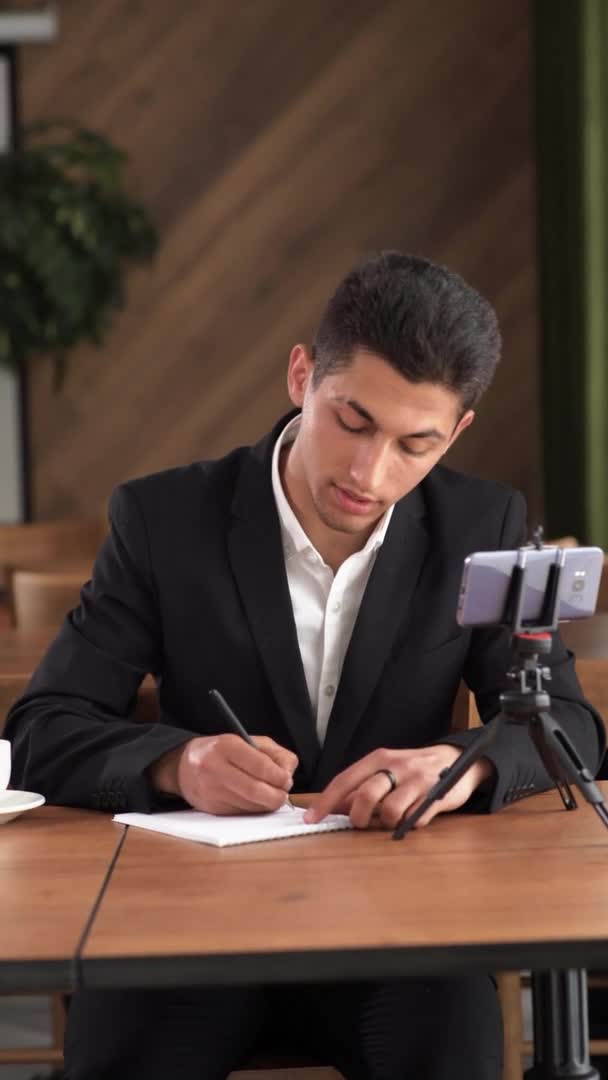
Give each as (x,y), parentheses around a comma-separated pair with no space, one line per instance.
(563,541)
(48,544)
(593,677)
(41,598)
(146,708)
(10,690)
(464,713)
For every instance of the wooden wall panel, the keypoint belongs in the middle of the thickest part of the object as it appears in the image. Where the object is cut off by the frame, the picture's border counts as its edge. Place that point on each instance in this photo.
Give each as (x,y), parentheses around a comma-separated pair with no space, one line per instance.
(275,143)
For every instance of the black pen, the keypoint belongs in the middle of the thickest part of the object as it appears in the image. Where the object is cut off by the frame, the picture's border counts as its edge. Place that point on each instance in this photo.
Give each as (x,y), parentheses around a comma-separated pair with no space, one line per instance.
(234,723)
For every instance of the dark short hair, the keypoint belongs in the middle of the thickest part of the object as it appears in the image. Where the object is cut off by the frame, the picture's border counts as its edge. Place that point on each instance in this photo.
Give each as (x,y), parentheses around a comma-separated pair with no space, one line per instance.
(421,318)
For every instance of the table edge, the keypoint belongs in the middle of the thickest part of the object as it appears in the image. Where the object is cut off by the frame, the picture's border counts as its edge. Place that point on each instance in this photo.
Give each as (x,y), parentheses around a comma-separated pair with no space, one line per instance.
(337,964)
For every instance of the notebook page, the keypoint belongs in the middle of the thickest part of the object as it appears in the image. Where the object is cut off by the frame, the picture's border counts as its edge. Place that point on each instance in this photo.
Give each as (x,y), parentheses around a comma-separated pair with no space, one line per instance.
(237,829)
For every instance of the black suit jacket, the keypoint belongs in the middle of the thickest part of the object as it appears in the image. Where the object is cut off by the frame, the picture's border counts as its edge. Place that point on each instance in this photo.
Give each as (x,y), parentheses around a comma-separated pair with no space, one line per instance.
(191,586)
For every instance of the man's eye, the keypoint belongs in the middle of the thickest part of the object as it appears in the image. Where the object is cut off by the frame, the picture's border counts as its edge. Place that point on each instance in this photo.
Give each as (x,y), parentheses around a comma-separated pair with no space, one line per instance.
(348,427)
(409,450)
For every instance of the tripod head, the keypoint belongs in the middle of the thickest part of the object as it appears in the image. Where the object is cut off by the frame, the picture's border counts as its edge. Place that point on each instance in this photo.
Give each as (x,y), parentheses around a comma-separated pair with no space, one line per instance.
(530,638)
(548,619)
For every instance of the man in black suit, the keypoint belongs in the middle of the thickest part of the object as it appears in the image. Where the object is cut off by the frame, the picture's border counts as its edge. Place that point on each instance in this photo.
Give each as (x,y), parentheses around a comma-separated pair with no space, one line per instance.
(313,579)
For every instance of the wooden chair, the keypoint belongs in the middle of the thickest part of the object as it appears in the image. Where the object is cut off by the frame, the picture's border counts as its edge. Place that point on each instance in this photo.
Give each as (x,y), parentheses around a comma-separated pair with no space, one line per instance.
(47,544)
(41,598)
(563,541)
(40,1055)
(10,690)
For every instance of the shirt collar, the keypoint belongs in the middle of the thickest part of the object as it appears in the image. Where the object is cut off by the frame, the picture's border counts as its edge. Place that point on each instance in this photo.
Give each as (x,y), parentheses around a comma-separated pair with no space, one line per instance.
(295,539)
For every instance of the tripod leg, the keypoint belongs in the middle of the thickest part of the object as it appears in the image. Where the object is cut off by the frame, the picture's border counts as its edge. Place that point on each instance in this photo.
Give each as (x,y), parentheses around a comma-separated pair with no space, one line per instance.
(558,746)
(561,1027)
(483,737)
(550,759)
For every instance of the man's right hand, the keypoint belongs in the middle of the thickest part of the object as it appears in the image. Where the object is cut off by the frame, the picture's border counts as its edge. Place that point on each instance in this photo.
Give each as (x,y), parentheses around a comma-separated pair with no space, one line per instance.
(223,774)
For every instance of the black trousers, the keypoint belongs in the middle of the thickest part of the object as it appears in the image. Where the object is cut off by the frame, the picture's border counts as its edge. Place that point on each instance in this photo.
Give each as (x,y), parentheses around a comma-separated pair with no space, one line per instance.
(401,1029)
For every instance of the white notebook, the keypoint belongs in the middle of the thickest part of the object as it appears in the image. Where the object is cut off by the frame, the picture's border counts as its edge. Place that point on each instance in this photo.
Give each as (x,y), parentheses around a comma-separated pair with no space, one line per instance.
(238,829)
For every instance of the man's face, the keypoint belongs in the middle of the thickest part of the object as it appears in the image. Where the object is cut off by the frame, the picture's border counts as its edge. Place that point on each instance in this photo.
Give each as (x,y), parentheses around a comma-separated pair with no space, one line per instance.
(368,436)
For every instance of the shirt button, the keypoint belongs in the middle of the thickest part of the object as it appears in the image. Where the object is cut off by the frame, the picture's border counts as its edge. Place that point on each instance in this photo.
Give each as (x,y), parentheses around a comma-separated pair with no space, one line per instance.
(337,606)
(330,689)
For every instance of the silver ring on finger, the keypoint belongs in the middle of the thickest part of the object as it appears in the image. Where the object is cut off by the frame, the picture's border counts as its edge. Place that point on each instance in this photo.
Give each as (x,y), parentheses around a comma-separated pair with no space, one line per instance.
(392,779)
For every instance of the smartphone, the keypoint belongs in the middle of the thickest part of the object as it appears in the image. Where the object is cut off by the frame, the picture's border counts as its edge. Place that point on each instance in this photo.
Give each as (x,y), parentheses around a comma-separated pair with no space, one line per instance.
(487,575)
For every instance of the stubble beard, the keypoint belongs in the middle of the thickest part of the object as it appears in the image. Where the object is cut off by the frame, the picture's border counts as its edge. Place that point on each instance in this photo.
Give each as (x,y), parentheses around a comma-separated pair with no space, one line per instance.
(341,523)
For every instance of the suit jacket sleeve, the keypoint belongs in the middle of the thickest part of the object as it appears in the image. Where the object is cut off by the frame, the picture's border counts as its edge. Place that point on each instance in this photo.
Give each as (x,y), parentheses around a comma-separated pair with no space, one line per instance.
(71,734)
(519,771)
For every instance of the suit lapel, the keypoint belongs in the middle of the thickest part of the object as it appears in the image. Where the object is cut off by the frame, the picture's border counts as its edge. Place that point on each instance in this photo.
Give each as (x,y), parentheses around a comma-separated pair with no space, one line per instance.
(384,609)
(256,555)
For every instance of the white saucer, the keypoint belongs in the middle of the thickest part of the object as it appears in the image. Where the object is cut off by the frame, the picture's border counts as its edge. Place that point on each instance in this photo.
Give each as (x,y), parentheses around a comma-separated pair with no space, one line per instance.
(13,803)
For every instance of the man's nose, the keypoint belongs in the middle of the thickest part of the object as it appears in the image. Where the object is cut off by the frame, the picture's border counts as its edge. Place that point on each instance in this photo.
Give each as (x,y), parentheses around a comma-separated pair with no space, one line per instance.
(368,466)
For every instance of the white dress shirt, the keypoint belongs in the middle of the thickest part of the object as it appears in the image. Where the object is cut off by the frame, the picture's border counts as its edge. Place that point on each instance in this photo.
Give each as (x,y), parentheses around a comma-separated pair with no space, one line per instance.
(325,604)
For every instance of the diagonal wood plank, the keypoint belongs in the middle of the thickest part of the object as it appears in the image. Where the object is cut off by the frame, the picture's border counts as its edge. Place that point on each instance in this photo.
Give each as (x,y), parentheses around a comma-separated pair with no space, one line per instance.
(275,146)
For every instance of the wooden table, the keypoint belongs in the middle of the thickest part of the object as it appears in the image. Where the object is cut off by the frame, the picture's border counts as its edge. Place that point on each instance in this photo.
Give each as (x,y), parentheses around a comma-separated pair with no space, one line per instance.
(86,902)
(478,886)
(471,893)
(53,863)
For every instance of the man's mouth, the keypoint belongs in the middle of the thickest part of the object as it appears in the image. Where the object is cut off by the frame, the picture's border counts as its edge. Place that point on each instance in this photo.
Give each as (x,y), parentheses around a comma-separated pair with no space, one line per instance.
(353,502)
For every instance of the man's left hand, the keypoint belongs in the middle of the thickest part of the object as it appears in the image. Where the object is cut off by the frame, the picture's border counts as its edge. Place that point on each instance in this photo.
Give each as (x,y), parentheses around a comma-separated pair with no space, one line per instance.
(363,792)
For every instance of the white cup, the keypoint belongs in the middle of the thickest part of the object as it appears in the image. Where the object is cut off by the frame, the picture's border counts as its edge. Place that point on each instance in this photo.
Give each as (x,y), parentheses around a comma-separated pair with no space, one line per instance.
(5,764)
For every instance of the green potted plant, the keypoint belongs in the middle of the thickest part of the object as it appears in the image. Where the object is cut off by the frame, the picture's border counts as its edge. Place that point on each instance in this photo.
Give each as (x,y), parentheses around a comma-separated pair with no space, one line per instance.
(68,231)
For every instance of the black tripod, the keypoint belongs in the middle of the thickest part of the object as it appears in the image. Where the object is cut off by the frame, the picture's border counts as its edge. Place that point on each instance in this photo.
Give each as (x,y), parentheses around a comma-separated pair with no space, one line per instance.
(529,704)
(560,997)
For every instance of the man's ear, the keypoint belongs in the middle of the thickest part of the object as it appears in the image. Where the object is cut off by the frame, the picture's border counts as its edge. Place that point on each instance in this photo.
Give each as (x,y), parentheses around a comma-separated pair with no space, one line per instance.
(464,422)
(299,373)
